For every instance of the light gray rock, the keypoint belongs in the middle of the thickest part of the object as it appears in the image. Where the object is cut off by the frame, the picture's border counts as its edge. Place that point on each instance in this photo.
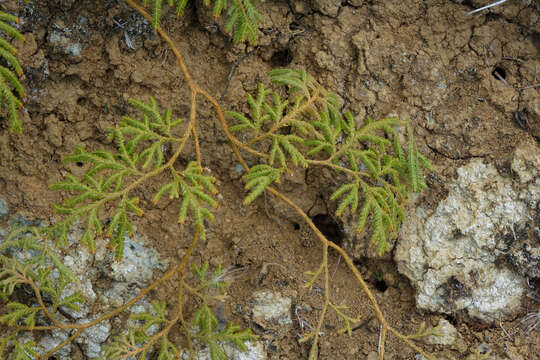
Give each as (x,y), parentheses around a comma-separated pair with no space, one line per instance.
(524,242)
(79,263)
(92,338)
(64,44)
(137,264)
(117,294)
(455,255)
(142,306)
(255,351)
(4,208)
(51,340)
(526,161)
(446,334)
(270,309)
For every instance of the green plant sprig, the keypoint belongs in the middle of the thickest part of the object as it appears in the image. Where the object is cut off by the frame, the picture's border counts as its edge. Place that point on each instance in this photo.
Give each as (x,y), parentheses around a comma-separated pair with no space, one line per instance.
(113,176)
(11,90)
(243,18)
(380,173)
(139,342)
(39,270)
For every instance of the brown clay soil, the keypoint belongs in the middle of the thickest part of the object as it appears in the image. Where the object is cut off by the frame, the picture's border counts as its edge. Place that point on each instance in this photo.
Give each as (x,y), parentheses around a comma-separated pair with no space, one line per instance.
(423,60)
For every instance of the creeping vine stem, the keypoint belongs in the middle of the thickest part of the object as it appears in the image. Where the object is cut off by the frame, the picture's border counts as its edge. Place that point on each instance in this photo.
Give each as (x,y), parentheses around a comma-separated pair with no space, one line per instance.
(236,146)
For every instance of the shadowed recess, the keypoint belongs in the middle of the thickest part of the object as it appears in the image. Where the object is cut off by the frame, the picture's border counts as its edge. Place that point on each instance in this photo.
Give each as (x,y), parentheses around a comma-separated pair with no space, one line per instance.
(329,228)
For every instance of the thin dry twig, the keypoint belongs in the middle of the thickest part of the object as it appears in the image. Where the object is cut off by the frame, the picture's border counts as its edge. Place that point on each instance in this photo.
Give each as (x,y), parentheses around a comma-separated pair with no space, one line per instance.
(529,87)
(486,7)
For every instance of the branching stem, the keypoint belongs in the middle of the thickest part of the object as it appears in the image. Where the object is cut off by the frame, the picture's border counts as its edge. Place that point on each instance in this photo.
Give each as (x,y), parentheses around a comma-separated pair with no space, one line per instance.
(236,145)
(179,269)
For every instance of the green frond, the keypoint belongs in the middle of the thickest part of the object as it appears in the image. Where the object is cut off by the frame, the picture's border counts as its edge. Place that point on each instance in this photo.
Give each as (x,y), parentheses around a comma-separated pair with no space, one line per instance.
(278,107)
(191,185)
(243,20)
(19,313)
(366,157)
(219,5)
(348,200)
(286,142)
(167,350)
(13,105)
(8,29)
(13,80)
(24,351)
(258,115)
(297,80)
(8,17)
(118,229)
(208,332)
(257,180)
(59,265)
(277,151)
(378,236)
(11,60)
(398,150)
(172,188)
(245,123)
(377,140)
(363,215)
(425,162)
(72,301)
(156,12)
(180,7)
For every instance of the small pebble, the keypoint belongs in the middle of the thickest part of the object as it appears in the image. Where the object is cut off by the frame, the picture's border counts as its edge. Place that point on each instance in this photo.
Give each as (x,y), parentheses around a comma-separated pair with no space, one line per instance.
(372,356)
(446,334)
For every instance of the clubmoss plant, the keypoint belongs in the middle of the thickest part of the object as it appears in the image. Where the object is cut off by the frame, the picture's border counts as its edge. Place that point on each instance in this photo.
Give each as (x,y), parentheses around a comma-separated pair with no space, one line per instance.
(379,173)
(305,128)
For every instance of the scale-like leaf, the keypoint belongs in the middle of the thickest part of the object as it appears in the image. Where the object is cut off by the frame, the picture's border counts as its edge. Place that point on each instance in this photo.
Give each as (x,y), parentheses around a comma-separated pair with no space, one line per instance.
(349,195)
(243,20)
(8,79)
(24,351)
(257,180)
(258,115)
(19,313)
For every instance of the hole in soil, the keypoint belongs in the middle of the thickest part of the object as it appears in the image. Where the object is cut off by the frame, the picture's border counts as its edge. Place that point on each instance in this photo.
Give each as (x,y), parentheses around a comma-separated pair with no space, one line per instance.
(296,226)
(329,228)
(282,57)
(294,26)
(451,319)
(381,285)
(79,163)
(500,71)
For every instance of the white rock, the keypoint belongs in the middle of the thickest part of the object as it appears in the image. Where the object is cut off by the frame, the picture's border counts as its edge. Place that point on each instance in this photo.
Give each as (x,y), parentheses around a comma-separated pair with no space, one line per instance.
(51,340)
(93,337)
(4,208)
(450,255)
(255,351)
(137,264)
(270,308)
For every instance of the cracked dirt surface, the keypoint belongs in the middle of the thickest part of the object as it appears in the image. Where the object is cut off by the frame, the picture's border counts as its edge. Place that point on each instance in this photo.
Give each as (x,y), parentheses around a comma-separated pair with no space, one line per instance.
(466,83)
